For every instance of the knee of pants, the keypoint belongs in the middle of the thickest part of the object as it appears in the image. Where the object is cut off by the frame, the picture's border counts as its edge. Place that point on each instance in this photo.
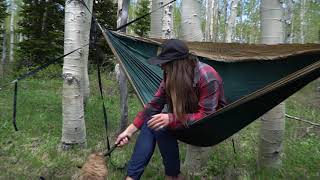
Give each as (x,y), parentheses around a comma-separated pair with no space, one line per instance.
(142,153)
(169,150)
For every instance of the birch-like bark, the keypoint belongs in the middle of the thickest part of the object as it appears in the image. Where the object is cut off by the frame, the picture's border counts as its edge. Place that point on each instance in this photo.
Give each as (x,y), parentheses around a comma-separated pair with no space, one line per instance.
(12,16)
(225,15)
(272,127)
(231,21)
(302,20)
(123,6)
(196,157)
(85,38)
(167,21)
(289,22)
(209,20)
(241,21)
(44,17)
(190,15)
(156,19)
(73,126)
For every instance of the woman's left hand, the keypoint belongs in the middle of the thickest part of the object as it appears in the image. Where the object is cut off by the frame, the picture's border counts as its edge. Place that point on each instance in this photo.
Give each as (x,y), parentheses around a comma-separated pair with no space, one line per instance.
(158,121)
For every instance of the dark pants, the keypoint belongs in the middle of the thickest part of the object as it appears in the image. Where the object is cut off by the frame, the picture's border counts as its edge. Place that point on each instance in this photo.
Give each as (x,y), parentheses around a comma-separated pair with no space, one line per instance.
(144,148)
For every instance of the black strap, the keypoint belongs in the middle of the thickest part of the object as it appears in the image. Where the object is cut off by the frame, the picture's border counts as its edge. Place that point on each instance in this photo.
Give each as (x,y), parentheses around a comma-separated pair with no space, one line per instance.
(114,146)
(234,152)
(40,68)
(97,50)
(108,153)
(103,106)
(143,16)
(127,24)
(15,106)
(31,73)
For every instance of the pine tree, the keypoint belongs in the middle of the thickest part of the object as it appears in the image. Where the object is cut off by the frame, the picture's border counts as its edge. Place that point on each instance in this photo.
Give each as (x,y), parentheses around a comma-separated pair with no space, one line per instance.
(142,27)
(42,27)
(3,8)
(3,15)
(106,13)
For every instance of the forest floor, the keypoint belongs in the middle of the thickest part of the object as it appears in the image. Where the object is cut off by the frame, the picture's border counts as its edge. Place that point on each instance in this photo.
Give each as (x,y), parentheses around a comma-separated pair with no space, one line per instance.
(34,151)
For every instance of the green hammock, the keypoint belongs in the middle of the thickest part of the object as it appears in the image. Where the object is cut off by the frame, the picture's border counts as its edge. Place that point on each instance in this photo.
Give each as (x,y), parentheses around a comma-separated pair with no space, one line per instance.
(256,78)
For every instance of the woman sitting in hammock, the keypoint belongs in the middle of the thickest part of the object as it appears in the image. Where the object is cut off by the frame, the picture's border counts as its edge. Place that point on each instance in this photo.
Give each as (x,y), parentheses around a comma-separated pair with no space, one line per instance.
(191,90)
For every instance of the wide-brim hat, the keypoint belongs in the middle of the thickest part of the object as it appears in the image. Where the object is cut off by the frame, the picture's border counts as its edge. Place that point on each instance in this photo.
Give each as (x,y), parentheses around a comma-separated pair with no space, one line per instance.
(172,49)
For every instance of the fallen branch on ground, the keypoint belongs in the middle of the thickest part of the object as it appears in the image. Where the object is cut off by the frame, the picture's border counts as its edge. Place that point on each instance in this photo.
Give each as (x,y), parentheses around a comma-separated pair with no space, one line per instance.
(303,120)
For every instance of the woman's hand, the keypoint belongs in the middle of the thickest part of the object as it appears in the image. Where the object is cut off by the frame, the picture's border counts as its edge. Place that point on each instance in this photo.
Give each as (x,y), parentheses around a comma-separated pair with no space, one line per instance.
(125,136)
(159,121)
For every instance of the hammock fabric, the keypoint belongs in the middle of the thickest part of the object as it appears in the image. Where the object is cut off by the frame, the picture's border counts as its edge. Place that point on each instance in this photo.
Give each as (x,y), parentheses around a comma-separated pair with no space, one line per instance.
(256,79)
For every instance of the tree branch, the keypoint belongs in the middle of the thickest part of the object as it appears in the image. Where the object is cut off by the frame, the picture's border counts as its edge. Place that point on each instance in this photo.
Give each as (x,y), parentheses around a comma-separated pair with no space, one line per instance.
(303,120)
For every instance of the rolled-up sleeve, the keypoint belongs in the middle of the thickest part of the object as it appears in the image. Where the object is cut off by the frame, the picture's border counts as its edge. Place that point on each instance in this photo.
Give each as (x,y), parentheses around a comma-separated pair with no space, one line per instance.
(208,103)
(155,106)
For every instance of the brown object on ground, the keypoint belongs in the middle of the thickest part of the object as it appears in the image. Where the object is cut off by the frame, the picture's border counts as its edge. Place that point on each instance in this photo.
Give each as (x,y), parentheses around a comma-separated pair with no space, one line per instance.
(94,169)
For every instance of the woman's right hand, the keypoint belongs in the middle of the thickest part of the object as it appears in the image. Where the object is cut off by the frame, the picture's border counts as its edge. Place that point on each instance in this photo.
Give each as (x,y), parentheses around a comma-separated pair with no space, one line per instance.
(125,136)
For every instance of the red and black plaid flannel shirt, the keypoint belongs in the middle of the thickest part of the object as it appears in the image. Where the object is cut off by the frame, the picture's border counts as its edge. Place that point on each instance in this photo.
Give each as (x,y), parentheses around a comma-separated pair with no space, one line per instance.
(211,98)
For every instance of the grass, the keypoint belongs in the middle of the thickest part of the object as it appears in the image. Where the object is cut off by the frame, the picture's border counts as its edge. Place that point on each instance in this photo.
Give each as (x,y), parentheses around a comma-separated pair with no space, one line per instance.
(34,150)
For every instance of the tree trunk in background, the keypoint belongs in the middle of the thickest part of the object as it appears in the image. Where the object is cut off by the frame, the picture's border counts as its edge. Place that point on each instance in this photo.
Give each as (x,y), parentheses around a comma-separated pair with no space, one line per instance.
(289,22)
(231,21)
(167,20)
(85,38)
(73,126)
(209,20)
(215,20)
(12,14)
(225,15)
(302,20)
(4,50)
(190,17)
(44,17)
(240,35)
(196,157)
(272,127)
(156,19)
(123,6)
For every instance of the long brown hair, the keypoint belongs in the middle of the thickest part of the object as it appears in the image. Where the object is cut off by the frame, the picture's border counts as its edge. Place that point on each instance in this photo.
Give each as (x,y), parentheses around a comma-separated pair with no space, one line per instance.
(182,97)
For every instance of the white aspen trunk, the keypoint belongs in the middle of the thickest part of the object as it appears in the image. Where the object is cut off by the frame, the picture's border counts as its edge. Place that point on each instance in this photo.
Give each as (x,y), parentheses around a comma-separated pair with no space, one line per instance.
(302,20)
(229,32)
(231,21)
(209,20)
(150,5)
(225,15)
(73,126)
(156,19)
(272,127)
(241,21)
(215,21)
(289,22)
(190,15)
(196,157)
(12,14)
(85,38)
(20,37)
(123,6)
(167,20)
